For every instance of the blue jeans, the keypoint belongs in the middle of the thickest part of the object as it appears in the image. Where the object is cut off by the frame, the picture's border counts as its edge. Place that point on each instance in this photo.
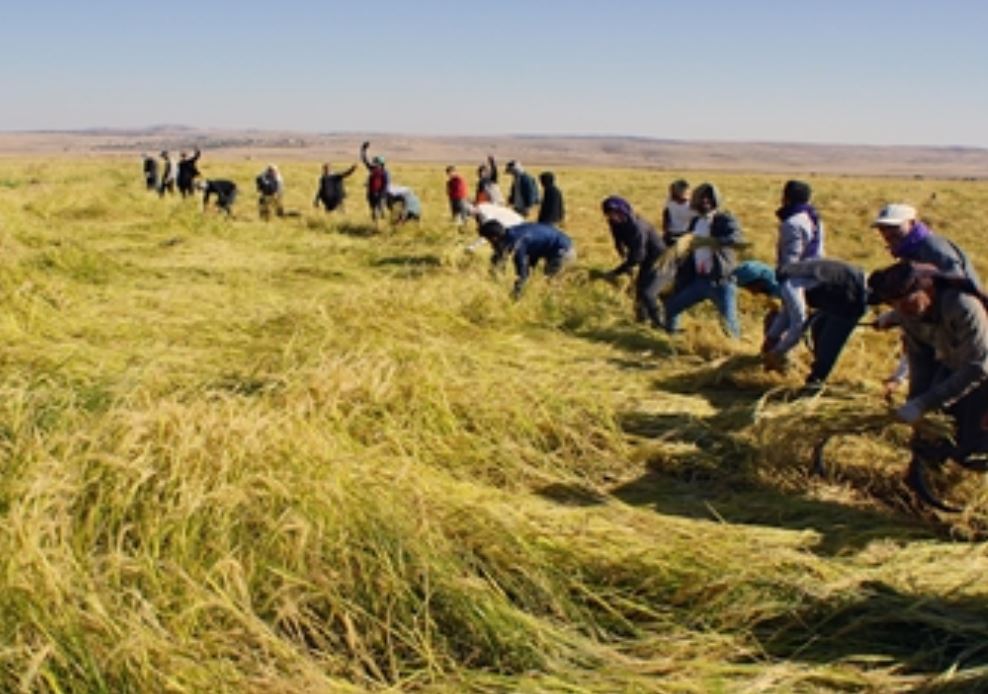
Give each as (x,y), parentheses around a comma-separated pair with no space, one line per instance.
(724,294)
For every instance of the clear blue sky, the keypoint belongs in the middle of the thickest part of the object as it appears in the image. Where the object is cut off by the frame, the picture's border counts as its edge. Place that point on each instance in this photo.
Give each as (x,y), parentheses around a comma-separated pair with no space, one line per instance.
(864,71)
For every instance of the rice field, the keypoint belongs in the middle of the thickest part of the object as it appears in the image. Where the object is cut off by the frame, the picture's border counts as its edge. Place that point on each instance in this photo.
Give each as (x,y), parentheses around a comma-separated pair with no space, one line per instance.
(309,455)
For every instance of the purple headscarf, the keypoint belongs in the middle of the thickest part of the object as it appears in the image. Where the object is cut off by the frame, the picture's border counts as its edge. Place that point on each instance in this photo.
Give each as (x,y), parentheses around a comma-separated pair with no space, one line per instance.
(617,204)
(907,246)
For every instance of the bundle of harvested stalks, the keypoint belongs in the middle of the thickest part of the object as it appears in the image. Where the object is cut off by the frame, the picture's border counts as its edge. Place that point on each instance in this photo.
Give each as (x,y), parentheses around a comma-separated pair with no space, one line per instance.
(804,427)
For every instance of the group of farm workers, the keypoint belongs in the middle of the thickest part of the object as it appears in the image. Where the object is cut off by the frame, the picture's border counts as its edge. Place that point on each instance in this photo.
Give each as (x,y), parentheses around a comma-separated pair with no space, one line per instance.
(932,292)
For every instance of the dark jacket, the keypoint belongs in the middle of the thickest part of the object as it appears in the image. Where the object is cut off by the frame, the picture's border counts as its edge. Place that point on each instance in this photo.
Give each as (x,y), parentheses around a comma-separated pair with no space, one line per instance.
(552,210)
(832,286)
(637,242)
(331,191)
(224,190)
(529,243)
(187,170)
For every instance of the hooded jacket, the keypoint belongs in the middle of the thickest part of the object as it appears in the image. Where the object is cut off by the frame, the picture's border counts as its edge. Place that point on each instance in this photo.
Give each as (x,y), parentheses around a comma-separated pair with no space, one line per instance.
(635,240)
(552,210)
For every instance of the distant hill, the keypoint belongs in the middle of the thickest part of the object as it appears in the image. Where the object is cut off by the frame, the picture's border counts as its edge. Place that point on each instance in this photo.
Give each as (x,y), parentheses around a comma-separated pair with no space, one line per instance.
(542,150)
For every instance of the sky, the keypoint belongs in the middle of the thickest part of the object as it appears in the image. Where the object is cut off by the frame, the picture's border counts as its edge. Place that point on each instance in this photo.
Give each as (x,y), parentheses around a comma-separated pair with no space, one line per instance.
(856,72)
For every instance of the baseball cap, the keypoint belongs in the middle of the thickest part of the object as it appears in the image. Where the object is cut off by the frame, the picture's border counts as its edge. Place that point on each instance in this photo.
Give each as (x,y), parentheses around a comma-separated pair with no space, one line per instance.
(894,214)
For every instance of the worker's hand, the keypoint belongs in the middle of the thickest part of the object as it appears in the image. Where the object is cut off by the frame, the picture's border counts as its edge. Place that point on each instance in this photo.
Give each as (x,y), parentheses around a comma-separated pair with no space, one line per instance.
(365,144)
(910,413)
(889,388)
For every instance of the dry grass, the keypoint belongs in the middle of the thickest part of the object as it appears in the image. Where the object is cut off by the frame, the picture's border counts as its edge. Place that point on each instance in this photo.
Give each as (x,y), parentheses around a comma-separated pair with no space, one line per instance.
(308,456)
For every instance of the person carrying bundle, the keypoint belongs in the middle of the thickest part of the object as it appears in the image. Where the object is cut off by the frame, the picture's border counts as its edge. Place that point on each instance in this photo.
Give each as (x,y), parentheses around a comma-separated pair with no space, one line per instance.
(708,272)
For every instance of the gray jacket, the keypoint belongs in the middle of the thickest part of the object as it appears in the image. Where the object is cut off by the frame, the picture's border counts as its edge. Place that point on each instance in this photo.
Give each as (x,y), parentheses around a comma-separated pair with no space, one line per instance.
(953,340)
(795,240)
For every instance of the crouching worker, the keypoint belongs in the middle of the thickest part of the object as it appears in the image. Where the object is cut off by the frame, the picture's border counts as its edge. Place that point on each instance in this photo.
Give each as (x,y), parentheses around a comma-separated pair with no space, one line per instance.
(945,324)
(528,244)
(224,190)
(403,205)
(838,295)
(270,188)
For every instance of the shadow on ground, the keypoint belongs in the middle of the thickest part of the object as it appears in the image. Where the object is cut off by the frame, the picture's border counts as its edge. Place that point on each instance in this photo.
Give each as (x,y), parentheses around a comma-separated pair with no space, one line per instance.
(922,634)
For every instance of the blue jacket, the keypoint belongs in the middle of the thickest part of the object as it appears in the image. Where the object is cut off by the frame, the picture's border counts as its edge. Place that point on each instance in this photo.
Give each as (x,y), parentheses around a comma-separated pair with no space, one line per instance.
(531,243)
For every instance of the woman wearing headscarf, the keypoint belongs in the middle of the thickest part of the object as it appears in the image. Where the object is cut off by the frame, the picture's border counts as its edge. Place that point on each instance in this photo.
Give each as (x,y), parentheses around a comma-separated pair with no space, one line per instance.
(640,246)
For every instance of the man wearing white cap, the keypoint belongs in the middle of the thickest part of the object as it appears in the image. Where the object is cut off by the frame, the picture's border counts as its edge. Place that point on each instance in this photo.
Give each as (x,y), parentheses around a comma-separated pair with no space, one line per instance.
(907,238)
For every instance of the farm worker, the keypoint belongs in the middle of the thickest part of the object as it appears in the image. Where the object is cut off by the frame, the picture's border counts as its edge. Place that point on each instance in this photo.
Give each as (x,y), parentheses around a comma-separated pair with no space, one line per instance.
(378,182)
(487,188)
(800,227)
(187,172)
(677,213)
(524,190)
(946,330)
(150,172)
(168,173)
(224,190)
(270,189)
(552,210)
(403,205)
(331,191)
(640,247)
(456,193)
(836,292)
(908,238)
(528,243)
(707,273)
(800,238)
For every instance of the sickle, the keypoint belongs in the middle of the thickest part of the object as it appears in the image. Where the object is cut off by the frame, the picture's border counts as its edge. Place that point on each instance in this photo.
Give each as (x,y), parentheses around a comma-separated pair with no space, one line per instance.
(915,479)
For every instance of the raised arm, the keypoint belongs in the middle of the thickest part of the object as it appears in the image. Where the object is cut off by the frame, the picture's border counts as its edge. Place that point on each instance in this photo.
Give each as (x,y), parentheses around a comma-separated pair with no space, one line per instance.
(493,165)
(363,154)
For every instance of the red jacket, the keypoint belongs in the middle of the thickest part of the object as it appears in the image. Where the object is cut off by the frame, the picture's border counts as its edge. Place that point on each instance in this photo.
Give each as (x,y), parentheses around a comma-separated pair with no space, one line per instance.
(456,188)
